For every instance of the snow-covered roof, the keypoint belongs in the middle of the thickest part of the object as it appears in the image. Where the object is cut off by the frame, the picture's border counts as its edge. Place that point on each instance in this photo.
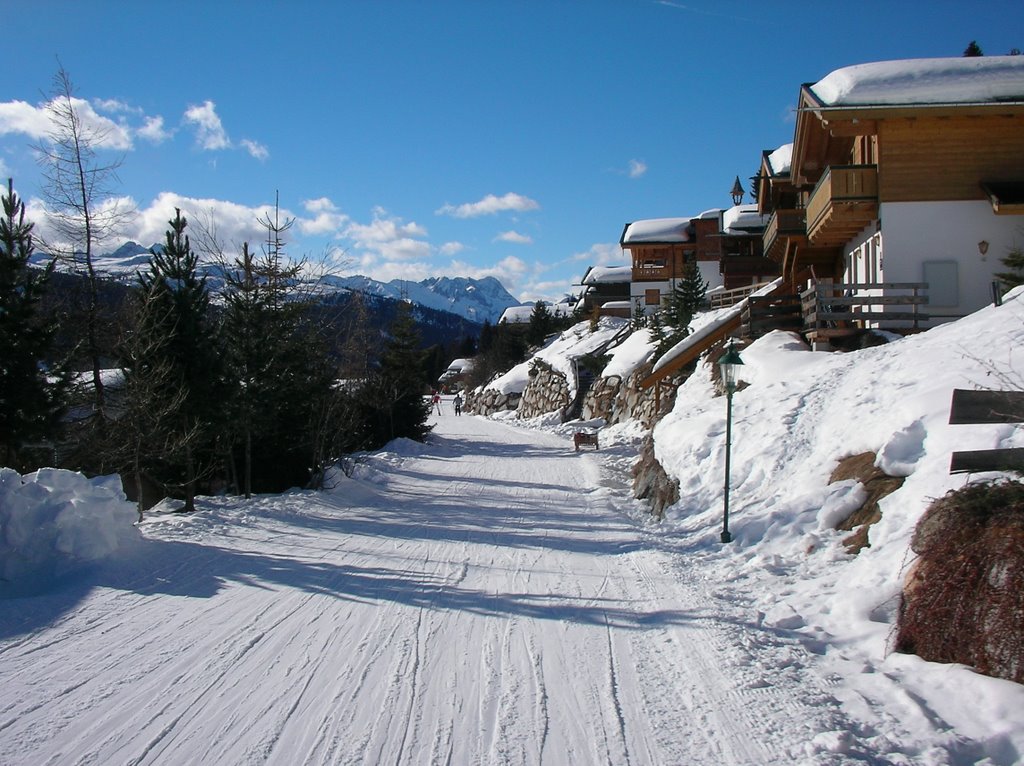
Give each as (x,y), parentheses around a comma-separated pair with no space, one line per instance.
(780,161)
(742,219)
(714,212)
(656,230)
(608,275)
(460,365)
(961,80)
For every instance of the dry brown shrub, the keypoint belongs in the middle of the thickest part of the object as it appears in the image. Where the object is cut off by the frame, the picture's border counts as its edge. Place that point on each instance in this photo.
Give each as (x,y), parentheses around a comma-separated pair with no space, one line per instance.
(964,598)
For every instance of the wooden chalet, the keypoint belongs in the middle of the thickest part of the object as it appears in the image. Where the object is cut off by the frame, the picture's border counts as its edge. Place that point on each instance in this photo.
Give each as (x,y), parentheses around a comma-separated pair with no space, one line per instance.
(607,289)
(659,249)
(903,188)
(741,242)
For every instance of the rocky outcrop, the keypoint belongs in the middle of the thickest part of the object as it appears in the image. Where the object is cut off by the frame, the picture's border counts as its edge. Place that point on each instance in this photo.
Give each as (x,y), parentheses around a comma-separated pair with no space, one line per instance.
(652,483)
(877,485)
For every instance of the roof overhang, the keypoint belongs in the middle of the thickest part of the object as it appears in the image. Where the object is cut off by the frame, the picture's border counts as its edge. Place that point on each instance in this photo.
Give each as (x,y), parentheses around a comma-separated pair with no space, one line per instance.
(1006,197)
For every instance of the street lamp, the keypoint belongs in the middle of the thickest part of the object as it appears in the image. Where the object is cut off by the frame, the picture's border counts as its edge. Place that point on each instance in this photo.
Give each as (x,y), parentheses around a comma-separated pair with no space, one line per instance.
(729,363)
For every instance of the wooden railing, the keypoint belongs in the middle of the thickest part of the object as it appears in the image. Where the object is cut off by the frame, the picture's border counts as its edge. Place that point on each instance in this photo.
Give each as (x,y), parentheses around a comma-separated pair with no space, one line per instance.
(840,184)
(836,308)
(721,299)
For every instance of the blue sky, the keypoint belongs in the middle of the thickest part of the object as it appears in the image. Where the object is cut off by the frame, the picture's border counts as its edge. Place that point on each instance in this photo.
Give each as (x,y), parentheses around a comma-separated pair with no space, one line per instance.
(416,139)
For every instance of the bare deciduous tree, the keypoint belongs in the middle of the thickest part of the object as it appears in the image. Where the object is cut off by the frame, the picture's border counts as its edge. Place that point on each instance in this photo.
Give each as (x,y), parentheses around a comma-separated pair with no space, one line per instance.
(81,210)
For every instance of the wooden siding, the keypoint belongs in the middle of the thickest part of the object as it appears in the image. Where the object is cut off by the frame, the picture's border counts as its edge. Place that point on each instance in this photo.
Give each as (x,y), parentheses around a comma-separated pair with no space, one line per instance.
(947,158)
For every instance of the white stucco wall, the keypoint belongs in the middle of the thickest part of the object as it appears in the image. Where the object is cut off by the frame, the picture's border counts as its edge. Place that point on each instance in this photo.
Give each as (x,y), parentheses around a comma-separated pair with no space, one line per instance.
(638,293)
(709,271)
(915,233)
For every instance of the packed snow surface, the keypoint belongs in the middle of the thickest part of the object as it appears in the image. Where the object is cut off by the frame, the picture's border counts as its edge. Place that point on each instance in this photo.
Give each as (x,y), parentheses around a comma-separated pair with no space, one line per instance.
(970,80)
(493,597)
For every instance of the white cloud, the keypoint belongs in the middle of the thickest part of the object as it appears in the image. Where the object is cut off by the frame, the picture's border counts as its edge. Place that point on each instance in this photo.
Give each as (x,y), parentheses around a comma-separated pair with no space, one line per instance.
(637,168)
(509,270)
(36,122)
(153,130)
(256,150)
(115,105)
(514,237)
(602,254)
(4,175)
(490,205)
(371,266)
(451,248)
(551,290)
(210,133)
(326,218)
(232,223)
(389,238)
(22,117)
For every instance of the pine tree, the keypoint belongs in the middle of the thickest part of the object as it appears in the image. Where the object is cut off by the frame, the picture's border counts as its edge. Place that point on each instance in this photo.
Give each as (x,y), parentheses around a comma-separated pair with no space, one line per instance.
(187,356)
(639,315)
(31,397)
(683,302)
(394,401)
(541,322)
(973,49)
(656,333)
(1014,261)
(278,368)
(486,337)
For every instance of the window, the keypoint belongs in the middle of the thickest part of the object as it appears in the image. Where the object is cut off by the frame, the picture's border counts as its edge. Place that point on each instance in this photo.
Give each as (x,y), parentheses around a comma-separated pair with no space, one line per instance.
(652,297)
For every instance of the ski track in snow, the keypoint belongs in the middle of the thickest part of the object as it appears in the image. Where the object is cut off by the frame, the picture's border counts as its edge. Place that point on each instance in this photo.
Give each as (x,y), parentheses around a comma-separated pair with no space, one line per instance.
(487,603)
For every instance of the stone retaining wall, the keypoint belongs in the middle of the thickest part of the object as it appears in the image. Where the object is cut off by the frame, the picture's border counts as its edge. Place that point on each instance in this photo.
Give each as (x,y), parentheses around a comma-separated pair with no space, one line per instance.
(616,400)
(547,391)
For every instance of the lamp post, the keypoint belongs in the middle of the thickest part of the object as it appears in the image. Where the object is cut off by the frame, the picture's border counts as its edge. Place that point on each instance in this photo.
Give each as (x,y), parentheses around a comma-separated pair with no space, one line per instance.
(729,364)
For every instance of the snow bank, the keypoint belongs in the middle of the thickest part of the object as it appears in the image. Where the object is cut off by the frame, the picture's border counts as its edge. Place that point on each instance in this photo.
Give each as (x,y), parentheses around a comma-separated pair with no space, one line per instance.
(801,413)
(628,356)
(52,519)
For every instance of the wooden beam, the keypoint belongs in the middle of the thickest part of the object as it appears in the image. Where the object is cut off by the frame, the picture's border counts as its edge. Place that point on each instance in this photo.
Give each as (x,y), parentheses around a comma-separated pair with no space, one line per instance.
(977,461)
(980,407)
(693,352)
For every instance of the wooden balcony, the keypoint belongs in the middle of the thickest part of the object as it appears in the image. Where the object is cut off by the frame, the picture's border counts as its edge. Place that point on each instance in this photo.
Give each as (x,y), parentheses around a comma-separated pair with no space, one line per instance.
(784,224)
(842,204)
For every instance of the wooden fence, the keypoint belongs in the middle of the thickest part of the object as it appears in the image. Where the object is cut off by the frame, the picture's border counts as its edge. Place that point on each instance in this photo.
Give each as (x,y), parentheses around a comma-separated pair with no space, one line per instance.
(838,308)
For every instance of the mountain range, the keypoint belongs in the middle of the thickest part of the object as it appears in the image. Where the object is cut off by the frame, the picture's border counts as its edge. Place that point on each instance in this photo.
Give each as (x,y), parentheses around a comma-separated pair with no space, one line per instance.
(476,300)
